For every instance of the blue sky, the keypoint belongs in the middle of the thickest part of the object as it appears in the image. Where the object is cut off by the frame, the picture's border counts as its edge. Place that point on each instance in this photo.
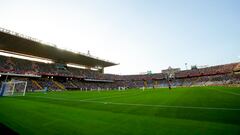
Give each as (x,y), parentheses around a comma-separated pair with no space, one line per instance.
(141,35)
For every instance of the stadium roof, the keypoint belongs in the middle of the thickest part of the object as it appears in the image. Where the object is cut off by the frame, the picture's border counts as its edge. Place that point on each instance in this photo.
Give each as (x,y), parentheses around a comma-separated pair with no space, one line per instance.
(18,43)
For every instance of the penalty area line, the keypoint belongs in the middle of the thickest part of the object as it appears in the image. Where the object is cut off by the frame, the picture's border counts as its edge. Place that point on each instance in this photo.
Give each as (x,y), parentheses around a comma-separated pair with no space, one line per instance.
(226,92)
(109,97)
(144,105)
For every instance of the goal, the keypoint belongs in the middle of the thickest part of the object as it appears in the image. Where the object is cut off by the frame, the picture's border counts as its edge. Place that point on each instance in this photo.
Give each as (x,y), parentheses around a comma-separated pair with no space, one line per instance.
(13,88)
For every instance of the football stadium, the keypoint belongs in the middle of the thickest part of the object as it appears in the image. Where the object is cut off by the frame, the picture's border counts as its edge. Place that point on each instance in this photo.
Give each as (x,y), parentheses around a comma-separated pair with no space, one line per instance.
(49,90)
(54,98)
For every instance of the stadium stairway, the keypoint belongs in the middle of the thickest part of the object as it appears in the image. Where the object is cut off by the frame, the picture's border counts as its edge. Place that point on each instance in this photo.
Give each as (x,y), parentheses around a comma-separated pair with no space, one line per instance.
(73,85)
(197,80)
(37,84)
(61,86)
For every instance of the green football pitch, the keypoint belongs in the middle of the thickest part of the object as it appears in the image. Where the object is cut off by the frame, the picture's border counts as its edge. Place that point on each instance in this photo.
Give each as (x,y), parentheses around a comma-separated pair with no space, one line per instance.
(180,111)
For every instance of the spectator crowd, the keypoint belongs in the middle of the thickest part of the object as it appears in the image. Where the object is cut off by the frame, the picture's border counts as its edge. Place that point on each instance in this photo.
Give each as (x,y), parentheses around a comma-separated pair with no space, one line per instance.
(85,79)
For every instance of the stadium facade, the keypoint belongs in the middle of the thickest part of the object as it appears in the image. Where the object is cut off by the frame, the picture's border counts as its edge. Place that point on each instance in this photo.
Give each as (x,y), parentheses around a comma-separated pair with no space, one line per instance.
(57,75)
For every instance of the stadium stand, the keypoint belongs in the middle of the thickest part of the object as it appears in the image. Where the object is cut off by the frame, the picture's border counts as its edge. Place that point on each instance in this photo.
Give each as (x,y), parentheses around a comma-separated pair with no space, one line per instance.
(59,76)
(75,78)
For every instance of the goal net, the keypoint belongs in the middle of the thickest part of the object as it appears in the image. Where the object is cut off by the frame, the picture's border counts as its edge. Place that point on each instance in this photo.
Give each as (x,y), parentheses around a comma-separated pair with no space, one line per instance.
(13,88)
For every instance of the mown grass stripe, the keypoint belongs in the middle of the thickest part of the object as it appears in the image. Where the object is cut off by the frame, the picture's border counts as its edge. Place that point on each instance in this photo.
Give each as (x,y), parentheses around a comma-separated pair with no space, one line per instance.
(144,105)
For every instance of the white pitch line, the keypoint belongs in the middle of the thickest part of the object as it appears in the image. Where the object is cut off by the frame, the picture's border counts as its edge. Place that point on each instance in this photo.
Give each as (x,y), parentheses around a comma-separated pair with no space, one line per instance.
(233,93)
(228,92)
(146,105)
(107,97)
(180,107)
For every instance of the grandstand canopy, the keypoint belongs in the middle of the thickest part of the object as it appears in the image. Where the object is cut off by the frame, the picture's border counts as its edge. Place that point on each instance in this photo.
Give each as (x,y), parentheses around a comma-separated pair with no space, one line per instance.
(17,43)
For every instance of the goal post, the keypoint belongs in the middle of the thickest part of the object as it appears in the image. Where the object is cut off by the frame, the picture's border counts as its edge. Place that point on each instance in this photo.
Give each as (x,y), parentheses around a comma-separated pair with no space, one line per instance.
(13,88)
